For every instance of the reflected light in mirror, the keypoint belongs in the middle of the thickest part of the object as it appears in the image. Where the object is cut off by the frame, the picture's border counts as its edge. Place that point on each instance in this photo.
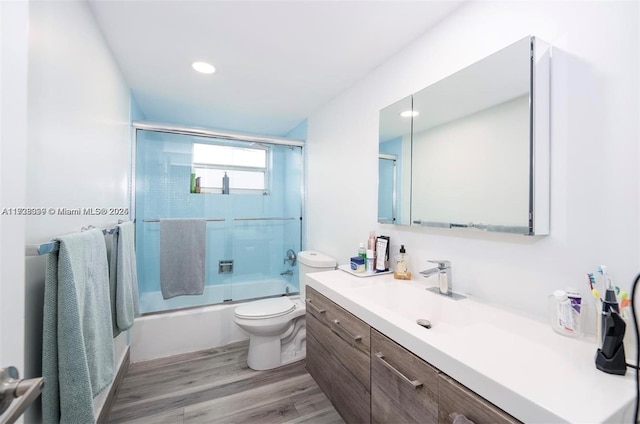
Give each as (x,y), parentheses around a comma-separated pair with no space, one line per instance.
(203,67)
(409,113)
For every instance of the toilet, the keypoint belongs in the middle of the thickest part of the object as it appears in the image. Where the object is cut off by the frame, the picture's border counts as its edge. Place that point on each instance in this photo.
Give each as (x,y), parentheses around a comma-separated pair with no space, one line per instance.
(276,326)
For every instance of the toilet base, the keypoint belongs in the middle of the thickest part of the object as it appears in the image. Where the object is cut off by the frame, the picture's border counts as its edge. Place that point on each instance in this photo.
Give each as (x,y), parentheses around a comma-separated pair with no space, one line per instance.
(266,353)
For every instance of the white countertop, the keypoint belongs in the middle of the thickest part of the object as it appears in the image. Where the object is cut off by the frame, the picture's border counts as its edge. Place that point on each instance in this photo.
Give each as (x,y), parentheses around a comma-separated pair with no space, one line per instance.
(519,364)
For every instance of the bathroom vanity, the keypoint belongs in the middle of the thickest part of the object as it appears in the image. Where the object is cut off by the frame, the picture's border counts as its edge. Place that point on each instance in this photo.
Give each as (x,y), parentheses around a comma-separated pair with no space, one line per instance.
(376,364)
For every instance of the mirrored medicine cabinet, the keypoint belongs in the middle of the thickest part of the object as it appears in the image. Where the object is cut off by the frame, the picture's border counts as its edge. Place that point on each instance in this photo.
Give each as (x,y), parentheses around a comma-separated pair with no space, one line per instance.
(472,150)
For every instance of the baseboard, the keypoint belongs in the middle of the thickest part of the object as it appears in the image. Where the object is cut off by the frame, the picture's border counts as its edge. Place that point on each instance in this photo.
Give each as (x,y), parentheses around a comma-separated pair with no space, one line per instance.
(115,387)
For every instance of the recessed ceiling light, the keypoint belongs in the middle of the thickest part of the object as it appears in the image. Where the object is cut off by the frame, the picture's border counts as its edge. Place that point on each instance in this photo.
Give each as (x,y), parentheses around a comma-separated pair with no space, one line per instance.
(409,113)
(203,67)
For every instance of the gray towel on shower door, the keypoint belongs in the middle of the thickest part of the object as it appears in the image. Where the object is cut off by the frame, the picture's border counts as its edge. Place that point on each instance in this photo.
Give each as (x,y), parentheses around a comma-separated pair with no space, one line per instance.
(182,256)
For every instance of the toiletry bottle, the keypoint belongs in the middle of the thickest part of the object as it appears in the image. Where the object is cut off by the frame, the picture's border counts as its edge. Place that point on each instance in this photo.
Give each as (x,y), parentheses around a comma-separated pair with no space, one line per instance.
(362,252)
(371,243)
(225,184)
(370,261)
(382,254)
(402,270)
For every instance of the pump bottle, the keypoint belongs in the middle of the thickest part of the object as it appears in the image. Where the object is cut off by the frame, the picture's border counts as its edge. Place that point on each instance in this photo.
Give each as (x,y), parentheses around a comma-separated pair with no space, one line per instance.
(402,266)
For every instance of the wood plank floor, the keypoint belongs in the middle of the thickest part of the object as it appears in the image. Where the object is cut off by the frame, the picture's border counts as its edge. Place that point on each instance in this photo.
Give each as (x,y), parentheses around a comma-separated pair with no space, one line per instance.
(216,386)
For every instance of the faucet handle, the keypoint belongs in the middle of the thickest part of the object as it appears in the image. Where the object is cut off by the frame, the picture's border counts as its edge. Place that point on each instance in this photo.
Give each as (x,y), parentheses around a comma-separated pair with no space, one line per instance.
(442,264)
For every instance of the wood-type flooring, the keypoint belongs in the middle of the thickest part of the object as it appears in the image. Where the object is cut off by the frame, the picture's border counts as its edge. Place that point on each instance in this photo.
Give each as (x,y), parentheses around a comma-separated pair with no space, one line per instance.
(217,386)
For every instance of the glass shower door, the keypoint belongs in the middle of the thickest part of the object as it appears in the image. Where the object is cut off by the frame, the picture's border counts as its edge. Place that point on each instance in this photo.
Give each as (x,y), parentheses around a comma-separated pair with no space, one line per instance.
(267,227)
(249,193)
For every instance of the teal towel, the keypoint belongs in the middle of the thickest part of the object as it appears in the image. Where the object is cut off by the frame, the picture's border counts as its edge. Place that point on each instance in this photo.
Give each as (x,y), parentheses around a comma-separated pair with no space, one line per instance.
(123,278)
(77,346)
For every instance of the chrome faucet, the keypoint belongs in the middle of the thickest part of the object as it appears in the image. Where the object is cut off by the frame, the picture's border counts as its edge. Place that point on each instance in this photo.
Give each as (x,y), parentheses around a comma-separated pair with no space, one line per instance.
(287,272)
(444,279)
(444,275)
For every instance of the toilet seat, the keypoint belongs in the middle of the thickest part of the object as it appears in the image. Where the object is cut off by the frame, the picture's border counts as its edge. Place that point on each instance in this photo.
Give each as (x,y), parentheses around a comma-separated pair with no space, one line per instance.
(265,308)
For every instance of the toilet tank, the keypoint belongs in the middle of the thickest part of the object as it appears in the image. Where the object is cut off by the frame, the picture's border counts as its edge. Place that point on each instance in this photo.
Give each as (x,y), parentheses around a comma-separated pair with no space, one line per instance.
(312,261)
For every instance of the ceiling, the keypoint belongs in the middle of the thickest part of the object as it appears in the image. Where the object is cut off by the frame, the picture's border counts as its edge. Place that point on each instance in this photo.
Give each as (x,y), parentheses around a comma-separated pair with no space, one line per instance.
(276,61)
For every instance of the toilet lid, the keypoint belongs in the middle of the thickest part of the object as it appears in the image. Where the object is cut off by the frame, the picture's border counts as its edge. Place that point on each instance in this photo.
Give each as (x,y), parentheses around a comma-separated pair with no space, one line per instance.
(265,308)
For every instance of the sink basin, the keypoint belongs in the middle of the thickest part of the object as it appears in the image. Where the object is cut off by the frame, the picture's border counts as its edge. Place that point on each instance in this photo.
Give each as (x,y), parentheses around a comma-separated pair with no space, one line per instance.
(413,302)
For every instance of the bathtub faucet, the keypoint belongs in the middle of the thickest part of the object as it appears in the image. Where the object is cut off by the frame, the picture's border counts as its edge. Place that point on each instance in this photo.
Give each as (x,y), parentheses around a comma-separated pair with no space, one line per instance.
(287,272)
(291,257)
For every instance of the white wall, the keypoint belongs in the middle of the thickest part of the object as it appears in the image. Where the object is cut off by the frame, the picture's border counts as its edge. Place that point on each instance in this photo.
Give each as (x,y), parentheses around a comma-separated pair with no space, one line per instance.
(78,141)
(594,153)
(14,17)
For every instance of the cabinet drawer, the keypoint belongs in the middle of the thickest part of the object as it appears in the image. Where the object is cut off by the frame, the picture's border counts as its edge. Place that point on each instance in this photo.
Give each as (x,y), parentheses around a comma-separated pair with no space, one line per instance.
(317,305)
(404,388)
(348,337)
(348,397)
(320,363)
(455,398)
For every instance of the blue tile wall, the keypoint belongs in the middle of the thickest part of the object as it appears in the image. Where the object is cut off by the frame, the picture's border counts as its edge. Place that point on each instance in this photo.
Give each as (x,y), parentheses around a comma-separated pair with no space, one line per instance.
(163,172)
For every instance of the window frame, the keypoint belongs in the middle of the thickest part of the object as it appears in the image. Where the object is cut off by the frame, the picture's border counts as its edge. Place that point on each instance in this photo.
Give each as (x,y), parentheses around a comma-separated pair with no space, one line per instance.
(217,189)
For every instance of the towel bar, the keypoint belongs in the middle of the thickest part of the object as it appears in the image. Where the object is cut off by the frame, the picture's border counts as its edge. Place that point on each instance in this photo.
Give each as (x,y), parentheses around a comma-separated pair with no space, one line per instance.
(54,246)
(264,219)
(11,387)
(208,220)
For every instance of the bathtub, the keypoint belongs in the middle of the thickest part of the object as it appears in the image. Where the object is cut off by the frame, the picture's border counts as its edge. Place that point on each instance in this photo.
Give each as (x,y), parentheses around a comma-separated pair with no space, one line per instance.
(218,293)
(173,332)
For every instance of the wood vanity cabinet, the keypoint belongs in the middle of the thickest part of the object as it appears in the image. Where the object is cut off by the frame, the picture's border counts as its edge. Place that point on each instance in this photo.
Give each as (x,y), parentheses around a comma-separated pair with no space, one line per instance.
(369,378)
(338,349)
(404,388)
(455,398)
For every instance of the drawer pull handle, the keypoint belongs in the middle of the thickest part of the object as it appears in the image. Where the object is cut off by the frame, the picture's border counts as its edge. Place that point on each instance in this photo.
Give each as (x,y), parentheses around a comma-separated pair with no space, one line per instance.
(315,308)
(344,334)
(415,383)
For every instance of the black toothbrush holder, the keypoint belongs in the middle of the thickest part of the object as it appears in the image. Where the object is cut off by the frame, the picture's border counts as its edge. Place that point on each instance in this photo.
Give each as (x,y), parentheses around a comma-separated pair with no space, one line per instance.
(610,358)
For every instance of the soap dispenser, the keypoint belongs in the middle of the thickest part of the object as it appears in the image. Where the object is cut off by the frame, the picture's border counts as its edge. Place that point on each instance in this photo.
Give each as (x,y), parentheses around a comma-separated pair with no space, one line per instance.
(402,266)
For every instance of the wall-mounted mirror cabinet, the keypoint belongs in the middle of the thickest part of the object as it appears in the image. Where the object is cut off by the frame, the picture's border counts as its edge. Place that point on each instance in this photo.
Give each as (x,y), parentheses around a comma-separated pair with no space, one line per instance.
(472,150)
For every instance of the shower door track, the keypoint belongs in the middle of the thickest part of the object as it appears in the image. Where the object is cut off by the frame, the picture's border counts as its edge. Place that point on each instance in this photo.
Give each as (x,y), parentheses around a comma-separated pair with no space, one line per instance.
(213,133)
(235,219)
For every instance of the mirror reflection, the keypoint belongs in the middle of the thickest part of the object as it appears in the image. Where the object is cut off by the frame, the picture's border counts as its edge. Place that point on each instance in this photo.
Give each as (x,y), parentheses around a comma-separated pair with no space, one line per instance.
(470,146)
(394,163)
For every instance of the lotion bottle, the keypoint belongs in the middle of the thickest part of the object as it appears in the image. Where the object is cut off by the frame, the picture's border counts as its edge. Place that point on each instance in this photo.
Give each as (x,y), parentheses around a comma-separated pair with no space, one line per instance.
(371,245)
(371,242)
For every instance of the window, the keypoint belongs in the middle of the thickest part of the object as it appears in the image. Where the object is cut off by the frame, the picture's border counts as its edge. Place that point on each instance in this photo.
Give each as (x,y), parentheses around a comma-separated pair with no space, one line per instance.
(246,167)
